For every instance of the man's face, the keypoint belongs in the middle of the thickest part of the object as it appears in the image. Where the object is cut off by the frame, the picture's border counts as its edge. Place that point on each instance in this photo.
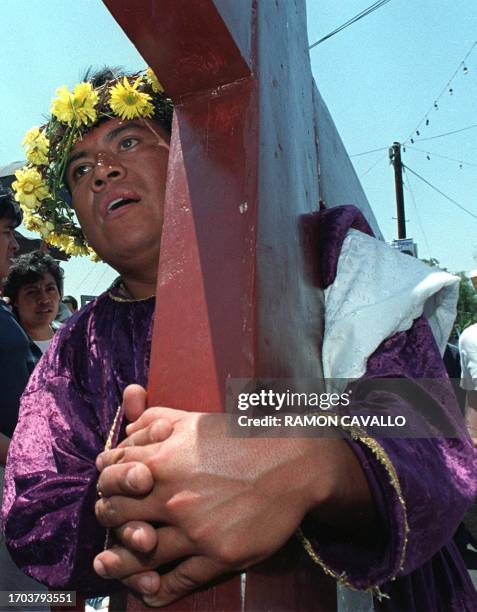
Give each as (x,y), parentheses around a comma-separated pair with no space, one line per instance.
(117,178)
(8,245)
(37,303)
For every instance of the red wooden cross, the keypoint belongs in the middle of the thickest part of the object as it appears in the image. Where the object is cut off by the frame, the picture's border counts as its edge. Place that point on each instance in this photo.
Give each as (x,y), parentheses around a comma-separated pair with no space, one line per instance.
(235,297)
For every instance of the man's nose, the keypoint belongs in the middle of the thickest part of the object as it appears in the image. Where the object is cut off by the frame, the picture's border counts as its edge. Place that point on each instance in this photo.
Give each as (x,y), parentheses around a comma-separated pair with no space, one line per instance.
(107,168)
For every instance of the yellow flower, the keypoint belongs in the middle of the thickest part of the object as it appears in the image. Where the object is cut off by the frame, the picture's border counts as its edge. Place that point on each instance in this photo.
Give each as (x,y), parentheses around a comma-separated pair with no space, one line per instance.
(59,240)
(31,222)
(29,187)
(153,80)
(35,223)
(46,229)
(127,102)
(77,107)
(74,248)
(36,146)
(68,244)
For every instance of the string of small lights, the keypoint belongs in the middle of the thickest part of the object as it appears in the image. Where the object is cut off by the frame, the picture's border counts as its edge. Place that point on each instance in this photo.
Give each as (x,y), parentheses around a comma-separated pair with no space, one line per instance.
(364,13)
(416,136)
(405,146)
(433,154)
(469,127)
(448,89)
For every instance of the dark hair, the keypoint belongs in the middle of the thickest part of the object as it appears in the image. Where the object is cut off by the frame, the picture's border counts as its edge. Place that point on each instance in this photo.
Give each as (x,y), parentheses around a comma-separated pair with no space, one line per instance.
(30,268)
(9,209)
(69,299)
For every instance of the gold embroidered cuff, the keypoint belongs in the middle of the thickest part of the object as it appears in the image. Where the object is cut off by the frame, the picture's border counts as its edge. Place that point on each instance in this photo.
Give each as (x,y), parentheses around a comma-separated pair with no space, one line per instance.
(382,456)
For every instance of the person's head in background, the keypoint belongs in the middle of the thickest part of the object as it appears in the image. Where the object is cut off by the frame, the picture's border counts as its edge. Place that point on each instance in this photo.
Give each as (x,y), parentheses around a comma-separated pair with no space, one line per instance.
(10,218)
(71,303)
(34,286)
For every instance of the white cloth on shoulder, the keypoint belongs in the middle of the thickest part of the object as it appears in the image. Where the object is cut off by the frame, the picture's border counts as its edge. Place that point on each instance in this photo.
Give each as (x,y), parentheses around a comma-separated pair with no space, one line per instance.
(378,292)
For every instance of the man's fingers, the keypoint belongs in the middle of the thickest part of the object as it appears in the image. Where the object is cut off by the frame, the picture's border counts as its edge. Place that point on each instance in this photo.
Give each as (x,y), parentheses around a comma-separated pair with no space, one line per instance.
(144,420)
(125,479)
(119,562)
(116,510)
(158,431)
(128,454)
(188,576)
(134,402)
(151,415)
(146,583)
(137,536)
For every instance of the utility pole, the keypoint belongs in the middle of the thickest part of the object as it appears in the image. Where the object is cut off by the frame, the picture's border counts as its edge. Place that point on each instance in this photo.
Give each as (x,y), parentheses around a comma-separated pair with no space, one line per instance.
(395,157)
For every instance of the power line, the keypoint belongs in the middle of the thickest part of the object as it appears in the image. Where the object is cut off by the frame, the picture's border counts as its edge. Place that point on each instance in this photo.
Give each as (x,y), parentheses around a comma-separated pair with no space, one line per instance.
(447,88)
(374,165)
(364,13)
(367,152)
(429,153)
(469,127)
(100,279)
(440,192)
(81,283)
(421,227)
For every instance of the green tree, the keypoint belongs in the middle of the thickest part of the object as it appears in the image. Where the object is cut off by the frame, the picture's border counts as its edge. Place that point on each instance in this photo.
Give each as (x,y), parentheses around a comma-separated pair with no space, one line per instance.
(466,306)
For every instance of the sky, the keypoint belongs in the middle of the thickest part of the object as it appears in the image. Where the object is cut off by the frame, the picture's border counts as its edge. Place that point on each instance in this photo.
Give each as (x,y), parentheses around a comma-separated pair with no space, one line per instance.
(379,77)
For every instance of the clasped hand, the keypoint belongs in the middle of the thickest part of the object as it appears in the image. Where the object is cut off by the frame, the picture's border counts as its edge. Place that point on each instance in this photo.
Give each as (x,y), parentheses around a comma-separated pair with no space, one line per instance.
(222,503)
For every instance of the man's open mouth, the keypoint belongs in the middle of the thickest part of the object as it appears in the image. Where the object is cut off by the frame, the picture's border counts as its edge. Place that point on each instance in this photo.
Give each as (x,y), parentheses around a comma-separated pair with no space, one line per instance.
(118,202)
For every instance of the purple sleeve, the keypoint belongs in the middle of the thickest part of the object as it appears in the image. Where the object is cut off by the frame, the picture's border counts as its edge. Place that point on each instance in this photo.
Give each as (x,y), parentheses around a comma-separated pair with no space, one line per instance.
(421,486)
(50,483)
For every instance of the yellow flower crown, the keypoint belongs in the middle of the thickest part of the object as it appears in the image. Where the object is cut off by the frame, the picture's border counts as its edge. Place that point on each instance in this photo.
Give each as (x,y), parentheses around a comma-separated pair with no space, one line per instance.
(39,186)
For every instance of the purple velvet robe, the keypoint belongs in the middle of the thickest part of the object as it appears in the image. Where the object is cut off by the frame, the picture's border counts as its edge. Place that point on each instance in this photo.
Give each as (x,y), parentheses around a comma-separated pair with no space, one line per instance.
(421,487)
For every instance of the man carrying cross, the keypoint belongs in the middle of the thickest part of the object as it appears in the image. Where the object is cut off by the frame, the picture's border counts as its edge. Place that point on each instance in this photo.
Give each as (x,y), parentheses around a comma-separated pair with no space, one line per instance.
(178,489)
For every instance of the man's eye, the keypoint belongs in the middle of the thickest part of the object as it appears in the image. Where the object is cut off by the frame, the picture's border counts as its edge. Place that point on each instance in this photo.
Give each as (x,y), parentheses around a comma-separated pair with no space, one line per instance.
(80,171)
(128,143)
